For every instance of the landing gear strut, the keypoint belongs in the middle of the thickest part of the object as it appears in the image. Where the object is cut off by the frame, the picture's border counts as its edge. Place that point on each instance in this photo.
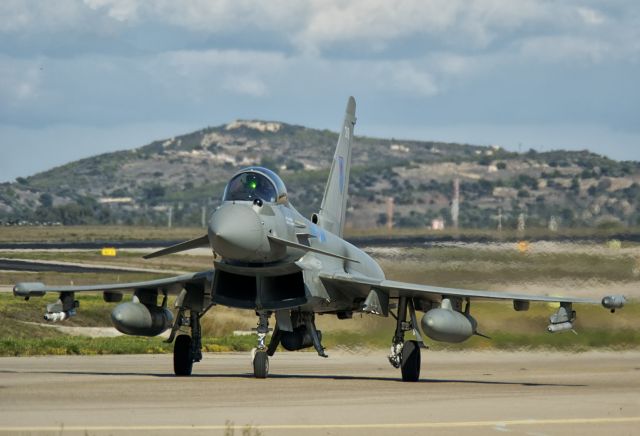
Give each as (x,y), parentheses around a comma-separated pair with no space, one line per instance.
(261,356)
(405,354)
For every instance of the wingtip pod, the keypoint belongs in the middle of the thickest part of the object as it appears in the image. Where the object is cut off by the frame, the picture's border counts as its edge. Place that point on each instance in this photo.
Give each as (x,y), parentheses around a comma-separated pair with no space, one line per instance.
(29,289)
(351,106)
(614,302)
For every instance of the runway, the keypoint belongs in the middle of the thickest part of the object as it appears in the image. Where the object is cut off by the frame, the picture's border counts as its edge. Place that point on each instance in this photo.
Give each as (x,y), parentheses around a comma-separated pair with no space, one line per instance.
(459,393)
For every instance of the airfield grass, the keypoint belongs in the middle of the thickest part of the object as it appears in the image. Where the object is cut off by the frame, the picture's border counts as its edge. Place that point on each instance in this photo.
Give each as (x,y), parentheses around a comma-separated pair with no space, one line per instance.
(509,330)
(123,259)
(493,266)
(95,233)
(556,268)
(144,233)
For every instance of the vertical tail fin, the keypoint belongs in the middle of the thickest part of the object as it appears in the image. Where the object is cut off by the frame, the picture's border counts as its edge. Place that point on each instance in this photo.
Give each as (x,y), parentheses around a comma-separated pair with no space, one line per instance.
(334,202)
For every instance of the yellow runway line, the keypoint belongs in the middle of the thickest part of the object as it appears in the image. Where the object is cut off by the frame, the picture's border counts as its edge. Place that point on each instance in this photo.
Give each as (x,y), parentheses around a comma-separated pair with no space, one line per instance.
(399,426)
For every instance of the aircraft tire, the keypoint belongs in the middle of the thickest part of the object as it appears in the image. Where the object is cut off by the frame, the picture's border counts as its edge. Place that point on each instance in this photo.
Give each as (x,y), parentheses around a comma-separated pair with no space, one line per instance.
(182,356)
(261,364)
(410,363)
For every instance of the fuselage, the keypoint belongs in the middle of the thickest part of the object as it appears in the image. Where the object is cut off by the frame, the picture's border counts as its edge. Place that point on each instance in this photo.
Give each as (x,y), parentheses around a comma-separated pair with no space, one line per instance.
(253,271)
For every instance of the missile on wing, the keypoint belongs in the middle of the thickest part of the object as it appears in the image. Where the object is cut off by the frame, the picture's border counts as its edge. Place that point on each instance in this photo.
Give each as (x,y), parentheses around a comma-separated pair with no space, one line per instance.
(562,320)
(141,320)
(613,302)
(447,325)
(58,316)
(62,309)
(561,327)
(29,289)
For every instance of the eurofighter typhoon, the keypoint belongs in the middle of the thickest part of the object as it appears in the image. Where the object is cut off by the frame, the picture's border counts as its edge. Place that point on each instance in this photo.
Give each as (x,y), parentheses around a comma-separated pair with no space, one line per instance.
(270,259)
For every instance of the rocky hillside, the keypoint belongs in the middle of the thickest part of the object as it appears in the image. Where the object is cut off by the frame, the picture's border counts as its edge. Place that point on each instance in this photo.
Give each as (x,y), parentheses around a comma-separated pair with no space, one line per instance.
(187,173)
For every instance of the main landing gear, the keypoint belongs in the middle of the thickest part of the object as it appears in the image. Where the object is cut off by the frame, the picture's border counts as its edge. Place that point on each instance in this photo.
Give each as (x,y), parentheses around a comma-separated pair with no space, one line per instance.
(186,349)
(406,354)
(182,355)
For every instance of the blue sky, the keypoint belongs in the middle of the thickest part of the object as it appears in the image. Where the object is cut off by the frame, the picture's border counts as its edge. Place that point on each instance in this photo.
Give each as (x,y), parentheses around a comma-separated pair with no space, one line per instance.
(79,78)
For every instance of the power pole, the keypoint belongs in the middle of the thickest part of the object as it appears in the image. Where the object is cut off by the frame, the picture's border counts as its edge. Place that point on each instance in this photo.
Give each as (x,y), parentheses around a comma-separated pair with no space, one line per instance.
(204,216)
(390,207)
(170,217)
(499,219)
(521,223)
(455,203)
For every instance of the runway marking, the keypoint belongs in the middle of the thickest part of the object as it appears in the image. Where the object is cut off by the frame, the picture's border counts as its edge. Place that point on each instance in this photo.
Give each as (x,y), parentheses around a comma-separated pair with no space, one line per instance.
(400,426)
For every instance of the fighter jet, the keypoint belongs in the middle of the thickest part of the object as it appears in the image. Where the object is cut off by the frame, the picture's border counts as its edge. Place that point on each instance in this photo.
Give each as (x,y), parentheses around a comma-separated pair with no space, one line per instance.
(270,259)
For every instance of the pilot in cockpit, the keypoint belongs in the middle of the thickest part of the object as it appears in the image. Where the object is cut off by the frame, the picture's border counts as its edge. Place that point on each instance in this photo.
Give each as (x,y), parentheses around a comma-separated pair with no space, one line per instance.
(255,183)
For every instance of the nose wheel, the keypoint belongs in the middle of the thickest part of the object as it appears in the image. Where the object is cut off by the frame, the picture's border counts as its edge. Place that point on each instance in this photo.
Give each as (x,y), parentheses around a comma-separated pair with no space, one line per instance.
(261,364)
(261,354)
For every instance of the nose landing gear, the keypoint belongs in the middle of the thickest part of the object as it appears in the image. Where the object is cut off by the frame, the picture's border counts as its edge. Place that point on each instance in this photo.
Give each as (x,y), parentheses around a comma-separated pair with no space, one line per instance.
(260,356)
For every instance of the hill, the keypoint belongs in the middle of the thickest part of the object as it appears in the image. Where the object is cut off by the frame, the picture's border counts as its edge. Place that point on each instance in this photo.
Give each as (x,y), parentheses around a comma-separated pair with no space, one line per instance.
(188,173)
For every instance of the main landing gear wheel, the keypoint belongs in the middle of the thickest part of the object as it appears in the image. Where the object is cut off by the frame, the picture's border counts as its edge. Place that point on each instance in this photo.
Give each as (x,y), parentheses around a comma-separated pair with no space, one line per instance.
(261,364)
(183,355)
(410,363)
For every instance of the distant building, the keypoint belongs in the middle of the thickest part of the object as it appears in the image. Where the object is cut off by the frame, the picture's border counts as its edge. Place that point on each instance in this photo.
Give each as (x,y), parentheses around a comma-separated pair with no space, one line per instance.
(262,126)
(400,147)
(115,200)
(437,224)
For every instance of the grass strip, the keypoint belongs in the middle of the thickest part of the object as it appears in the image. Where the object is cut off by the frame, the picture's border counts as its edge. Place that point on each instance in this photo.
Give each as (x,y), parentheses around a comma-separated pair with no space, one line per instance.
(353,341)
(80,345)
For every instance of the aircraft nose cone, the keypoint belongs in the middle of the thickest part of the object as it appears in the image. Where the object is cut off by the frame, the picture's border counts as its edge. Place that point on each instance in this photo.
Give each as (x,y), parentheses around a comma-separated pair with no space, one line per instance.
(236,232)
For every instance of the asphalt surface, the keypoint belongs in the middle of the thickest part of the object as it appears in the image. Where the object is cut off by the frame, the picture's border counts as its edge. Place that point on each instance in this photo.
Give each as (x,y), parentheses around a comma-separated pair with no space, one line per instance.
(357,394)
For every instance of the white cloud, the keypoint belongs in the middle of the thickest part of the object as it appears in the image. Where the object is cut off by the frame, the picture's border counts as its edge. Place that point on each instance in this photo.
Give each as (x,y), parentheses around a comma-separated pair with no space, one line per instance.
(36,16)
(565,48)
(136,58)
(119,10)
(411,80)
(209,71)
(245,84)
(362,28)
(591,16)
(14,15)
(216,16)
(20,81)
(375,23)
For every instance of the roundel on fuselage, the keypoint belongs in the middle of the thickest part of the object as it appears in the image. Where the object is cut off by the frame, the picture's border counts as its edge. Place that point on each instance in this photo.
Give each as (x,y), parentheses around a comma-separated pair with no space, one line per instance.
(255,183)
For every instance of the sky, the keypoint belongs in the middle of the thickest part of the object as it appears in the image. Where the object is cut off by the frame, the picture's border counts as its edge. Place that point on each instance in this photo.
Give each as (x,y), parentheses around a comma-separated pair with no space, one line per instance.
(82,77)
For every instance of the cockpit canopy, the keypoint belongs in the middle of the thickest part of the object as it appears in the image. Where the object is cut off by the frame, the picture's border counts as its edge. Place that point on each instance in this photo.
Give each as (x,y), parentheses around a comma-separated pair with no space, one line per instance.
(256,183)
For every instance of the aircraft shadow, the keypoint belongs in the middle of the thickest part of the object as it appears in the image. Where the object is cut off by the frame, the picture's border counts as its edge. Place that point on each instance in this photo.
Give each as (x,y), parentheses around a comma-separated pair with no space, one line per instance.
(302,377)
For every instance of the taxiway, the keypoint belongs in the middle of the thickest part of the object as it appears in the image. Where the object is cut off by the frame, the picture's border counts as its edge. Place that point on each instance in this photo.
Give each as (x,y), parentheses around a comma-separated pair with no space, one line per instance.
(459,393)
